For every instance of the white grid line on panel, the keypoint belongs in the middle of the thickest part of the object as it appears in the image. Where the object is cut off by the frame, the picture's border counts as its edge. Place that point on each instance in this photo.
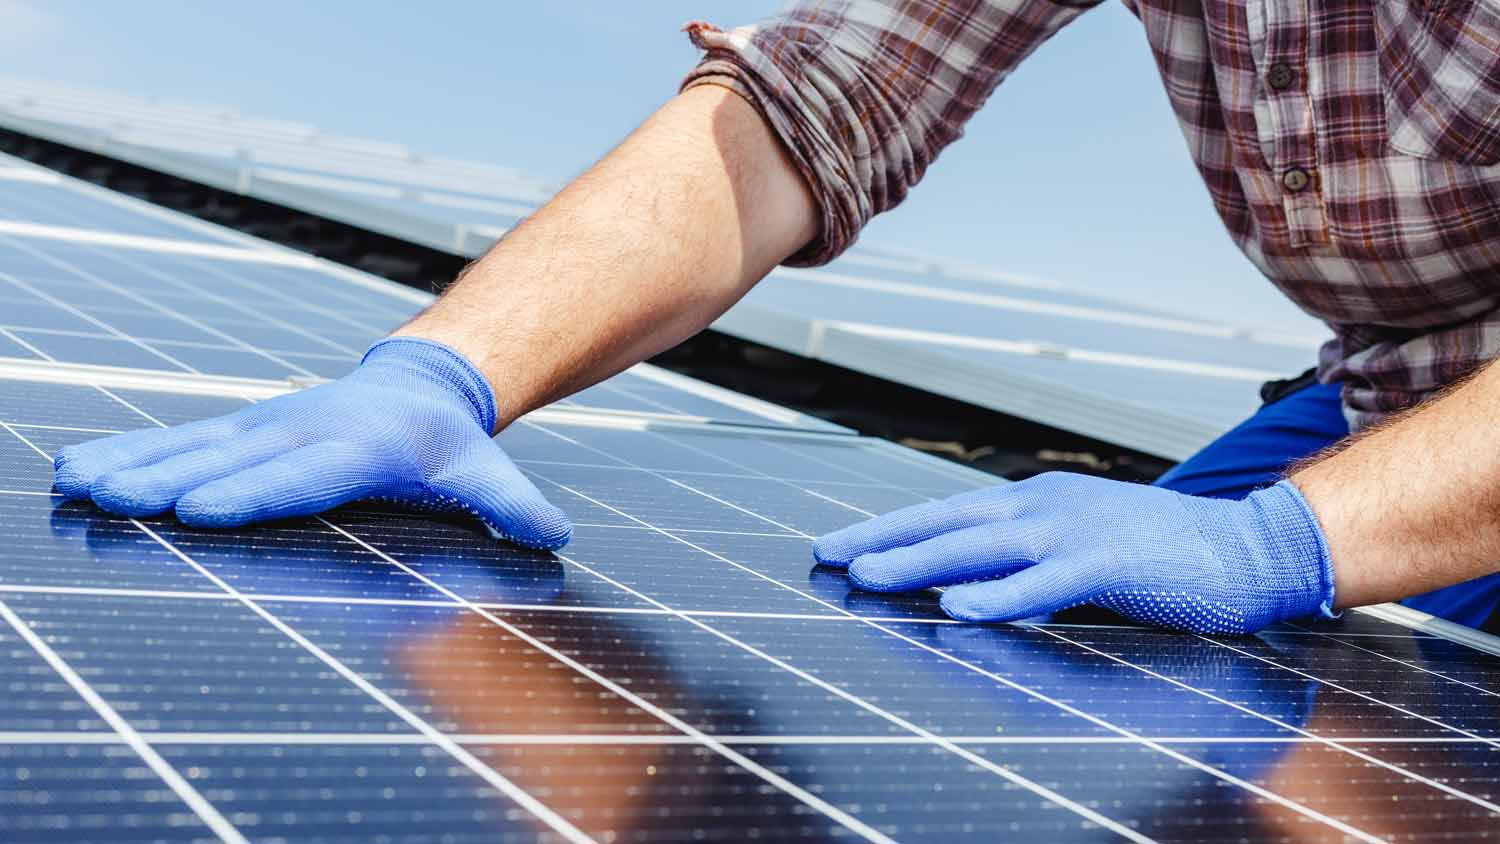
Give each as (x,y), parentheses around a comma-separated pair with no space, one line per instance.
(1340,640)
(354,600)
(1394,768)
(473,763)
(1326,682)
(165,310)
(853,485)
(793,589)
(1348,830)
(203,292)
(233,277)
(9,327)
(732,462)
(167,245)
(871,479)
(109,329)
(921,732)
(1188,760)
(5,332)
(64,428)
(833,615)
(17,434)
(501,783)
(792,789)
(148,209)
(189,795)
(64,737)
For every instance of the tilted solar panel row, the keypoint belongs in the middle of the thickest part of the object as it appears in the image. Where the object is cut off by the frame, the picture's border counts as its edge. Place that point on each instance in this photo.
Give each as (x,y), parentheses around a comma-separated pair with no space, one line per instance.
(1122,373)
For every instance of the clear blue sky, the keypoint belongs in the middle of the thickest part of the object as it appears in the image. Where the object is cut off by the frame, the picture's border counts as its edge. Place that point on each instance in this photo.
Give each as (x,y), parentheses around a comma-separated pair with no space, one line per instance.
(1076,171)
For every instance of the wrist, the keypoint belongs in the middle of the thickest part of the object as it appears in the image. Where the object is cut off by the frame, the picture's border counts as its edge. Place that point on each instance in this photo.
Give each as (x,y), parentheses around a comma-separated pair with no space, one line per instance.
(442,365)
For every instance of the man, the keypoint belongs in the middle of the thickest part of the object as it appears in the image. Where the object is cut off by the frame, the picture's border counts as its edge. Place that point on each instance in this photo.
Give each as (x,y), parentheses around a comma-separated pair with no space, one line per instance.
(1349,147)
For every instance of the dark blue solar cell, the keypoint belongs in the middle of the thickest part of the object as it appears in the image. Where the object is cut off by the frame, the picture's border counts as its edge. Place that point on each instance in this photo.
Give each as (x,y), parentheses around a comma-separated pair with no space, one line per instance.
(460,556)
(709,682)
(528,443)
(79,792)
(1416,684)
(101,350)
(236,362)
(323,366)
(924,793)
(921,686)
(176,408)
(659,792)
(199,665)
(36,697)
(55,543)
(680,575)
(22,469)
(295,557)
(352,793)
(154,325)
(651,498)
(464,674)
(783,502)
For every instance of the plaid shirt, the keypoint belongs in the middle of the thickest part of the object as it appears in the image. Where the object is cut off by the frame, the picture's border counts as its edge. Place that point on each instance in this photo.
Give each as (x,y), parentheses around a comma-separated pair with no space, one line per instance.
(1352,147)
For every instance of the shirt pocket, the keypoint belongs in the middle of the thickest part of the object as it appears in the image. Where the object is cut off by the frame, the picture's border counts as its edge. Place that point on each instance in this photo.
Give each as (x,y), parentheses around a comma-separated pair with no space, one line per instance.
(1440,76)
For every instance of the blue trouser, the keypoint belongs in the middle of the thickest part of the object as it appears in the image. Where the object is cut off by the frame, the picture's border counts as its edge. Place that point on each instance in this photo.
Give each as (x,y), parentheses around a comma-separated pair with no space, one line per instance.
(1258,450)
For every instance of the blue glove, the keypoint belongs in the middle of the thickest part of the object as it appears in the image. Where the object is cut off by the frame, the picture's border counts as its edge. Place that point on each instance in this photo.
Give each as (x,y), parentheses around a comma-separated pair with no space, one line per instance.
(1059,540)
(412,424)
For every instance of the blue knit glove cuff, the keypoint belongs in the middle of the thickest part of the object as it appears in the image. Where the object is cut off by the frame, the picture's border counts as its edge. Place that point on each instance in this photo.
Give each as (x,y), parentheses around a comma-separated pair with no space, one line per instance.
(1295,541)
(1275,558)
(440,364)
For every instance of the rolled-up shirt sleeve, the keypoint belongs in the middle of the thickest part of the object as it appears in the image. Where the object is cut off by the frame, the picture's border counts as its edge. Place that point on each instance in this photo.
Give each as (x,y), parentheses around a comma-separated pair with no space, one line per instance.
(866,93)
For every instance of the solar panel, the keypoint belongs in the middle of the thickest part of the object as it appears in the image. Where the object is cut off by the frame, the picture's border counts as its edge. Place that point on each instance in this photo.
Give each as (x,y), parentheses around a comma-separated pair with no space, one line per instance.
(139,287)
(679,672)
(1124,373)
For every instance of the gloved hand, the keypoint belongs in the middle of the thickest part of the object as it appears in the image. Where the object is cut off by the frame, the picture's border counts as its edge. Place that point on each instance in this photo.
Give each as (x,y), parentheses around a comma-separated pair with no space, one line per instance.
(1058,540)
(412,424)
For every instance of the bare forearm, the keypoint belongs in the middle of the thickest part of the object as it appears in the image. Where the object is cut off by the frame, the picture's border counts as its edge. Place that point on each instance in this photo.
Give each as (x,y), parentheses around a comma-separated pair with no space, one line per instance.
(645,249)
(1415,505)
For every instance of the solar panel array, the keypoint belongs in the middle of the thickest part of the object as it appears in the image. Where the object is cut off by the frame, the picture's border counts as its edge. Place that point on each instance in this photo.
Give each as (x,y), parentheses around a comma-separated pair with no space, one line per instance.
(681,672)
(1126,374)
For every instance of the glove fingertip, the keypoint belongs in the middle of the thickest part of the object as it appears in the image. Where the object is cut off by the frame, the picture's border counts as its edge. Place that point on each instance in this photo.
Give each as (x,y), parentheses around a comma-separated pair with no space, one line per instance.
(547,529)
(110,494)
(830,550)
(205,513)
(67,477)
(872,574)
(956,603)
(554,529)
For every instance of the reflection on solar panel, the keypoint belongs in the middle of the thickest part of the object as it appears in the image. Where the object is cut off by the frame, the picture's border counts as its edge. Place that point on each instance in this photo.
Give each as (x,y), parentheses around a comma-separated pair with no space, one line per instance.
(1130,375)
(680,673)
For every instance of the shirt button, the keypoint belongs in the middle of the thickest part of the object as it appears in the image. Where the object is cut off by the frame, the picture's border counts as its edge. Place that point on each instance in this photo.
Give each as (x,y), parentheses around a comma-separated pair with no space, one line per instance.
(1295,179)
(1280,75)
